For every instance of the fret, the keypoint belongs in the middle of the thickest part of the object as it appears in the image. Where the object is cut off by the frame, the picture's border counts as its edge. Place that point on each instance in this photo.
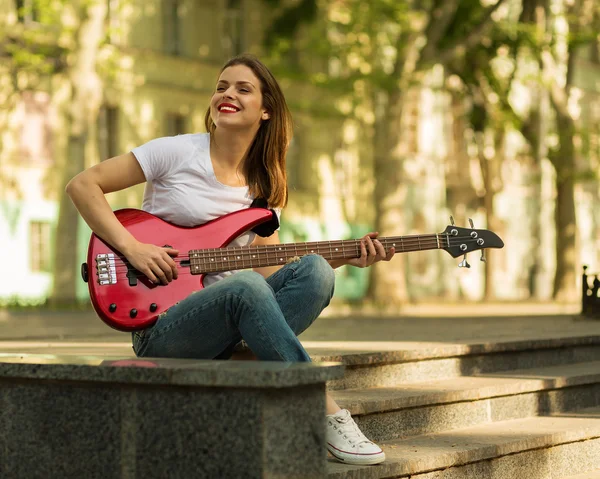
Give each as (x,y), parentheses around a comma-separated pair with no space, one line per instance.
(238,258)
(213,260)
(222,258)
(282,255)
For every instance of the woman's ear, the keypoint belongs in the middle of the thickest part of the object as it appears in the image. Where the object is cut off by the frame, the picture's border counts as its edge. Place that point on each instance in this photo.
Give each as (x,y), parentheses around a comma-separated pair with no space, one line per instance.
(265,115)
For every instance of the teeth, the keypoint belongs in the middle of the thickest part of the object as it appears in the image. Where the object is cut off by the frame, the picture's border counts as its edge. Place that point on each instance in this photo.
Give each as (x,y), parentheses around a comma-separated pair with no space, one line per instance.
(227,108)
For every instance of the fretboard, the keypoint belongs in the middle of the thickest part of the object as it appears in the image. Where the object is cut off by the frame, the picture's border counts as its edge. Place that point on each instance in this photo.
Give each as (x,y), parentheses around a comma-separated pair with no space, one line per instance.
(213,260)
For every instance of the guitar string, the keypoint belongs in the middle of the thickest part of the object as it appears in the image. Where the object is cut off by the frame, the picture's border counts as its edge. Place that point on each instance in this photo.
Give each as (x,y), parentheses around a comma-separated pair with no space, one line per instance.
(245,251)
(121,270)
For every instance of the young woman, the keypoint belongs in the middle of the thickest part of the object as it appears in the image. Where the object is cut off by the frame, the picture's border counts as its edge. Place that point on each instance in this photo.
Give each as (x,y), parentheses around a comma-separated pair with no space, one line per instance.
(192,179)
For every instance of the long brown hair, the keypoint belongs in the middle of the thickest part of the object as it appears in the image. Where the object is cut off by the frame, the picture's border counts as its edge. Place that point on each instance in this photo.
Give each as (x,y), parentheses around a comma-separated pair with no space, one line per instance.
(264,165)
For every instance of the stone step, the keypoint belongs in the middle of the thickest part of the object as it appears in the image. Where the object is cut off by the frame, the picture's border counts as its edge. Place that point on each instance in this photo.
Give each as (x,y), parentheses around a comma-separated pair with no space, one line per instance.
(586,475)
(376,364)
(536,448)
(429,407)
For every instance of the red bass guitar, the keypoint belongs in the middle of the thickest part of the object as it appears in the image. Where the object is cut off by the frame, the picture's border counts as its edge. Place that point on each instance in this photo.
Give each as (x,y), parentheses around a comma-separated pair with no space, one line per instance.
(126,300)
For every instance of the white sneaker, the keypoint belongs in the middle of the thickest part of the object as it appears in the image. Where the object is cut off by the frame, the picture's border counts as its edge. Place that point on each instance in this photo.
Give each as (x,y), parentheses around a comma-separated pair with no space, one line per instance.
(347,443)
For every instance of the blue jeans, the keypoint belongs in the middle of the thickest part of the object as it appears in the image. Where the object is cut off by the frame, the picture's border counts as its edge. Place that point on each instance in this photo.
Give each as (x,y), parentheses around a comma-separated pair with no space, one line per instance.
(268,314)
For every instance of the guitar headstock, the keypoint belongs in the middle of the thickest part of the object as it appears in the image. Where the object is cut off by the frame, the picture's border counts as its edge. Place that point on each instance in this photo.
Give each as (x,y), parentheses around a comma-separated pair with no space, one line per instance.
(459,241)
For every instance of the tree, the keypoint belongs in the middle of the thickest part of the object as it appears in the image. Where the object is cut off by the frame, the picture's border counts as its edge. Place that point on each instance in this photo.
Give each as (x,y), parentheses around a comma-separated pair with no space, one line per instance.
(488,73)
(85,88)
(559,64)
(385,48)
(554,55)
(34,57)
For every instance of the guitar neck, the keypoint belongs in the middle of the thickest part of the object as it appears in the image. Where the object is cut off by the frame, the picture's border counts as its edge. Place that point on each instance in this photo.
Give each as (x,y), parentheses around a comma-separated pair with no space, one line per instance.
(213,260)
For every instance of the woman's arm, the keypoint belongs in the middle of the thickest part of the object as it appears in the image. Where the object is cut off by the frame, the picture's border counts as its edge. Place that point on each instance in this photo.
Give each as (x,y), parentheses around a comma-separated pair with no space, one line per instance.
(87,191)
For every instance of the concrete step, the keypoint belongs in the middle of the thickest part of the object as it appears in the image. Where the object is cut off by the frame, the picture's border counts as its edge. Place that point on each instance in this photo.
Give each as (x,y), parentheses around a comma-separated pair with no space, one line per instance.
(381,364)
(586,475)
(429,407)
(535,448)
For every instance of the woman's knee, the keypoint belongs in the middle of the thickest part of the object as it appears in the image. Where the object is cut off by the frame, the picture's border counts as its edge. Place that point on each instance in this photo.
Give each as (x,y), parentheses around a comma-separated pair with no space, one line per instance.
(319,273)
(251,285)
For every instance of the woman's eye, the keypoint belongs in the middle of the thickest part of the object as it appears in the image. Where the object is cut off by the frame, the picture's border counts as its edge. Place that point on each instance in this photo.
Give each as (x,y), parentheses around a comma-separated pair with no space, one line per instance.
(220,88)
(244,90)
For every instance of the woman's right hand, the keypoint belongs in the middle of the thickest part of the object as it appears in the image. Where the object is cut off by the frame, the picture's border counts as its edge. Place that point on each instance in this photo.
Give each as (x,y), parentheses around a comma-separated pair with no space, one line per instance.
(154,261)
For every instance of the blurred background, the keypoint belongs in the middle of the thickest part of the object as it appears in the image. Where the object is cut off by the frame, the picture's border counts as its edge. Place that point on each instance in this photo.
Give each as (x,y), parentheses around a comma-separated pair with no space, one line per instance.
(406,112)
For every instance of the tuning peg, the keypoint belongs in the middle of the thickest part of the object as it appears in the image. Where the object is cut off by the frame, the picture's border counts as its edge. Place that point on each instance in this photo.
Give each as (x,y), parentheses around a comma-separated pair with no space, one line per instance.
(471,223)
(464,263)
(482,256)
(451,220)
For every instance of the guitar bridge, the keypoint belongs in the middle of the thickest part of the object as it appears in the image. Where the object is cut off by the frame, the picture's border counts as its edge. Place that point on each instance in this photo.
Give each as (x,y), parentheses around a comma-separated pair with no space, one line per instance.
(106,269)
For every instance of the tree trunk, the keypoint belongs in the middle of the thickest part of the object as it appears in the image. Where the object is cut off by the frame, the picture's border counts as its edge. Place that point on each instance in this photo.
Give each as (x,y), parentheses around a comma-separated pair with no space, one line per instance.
(83,109)
(534,132)
(488,173)
(66,265)
(387,285)
(565,279)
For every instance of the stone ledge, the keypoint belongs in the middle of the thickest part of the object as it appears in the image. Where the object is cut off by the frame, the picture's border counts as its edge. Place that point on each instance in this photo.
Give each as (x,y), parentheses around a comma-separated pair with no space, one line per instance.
(173,372)
(454,449)
(102,417)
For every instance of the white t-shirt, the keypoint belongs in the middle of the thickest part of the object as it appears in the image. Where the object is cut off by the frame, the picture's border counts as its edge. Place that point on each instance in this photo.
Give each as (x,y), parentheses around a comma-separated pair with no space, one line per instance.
(182,187)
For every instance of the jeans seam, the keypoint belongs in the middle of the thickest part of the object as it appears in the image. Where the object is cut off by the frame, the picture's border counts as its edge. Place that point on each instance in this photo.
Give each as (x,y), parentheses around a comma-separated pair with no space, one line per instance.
(264,331)
(155,334)
(288,267)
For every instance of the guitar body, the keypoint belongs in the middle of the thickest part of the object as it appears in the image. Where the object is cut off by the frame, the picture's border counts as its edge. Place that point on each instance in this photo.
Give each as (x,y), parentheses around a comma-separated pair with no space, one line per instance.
(126,300)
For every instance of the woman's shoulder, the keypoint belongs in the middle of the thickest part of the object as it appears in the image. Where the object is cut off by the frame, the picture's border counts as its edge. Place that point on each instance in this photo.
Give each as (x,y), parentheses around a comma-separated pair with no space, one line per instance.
(174,146)
(200,141)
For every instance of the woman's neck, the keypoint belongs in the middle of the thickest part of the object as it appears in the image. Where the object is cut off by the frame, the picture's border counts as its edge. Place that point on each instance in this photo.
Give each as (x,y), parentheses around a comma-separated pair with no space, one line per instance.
(229,149)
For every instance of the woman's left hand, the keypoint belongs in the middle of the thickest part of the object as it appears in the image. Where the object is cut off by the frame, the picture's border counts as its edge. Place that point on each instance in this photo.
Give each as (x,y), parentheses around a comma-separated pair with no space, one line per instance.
(371,251)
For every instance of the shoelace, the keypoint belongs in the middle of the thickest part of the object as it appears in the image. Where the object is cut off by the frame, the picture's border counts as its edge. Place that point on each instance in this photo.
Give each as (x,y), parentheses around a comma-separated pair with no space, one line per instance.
(348,427)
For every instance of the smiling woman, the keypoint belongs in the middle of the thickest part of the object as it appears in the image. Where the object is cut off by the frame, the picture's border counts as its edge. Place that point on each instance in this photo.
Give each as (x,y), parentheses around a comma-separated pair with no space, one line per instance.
(247,98)
(193,179)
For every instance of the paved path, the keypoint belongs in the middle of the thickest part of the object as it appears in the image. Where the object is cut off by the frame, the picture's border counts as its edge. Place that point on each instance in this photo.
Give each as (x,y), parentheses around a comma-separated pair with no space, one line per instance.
(83,333)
